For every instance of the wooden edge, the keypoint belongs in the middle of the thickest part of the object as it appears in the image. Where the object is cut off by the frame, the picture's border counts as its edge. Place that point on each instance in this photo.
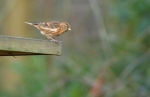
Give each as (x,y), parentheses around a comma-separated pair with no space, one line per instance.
(28,46)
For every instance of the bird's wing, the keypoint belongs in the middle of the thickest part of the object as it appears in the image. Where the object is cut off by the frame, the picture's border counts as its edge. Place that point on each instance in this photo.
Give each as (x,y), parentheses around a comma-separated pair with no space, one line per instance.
(53,24)
(49,26)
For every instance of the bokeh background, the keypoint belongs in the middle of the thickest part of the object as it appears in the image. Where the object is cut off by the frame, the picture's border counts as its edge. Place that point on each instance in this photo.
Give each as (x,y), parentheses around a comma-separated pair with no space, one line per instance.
(106,54)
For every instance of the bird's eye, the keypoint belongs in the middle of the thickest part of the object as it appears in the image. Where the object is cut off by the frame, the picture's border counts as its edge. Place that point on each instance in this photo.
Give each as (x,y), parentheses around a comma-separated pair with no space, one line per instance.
(65,27)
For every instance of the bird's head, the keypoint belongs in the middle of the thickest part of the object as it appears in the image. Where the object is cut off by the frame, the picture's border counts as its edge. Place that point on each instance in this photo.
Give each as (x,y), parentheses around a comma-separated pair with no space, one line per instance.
(65,26)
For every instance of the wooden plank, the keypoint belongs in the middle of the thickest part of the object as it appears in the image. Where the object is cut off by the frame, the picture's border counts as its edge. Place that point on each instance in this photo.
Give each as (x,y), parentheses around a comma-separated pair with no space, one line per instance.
(26,46)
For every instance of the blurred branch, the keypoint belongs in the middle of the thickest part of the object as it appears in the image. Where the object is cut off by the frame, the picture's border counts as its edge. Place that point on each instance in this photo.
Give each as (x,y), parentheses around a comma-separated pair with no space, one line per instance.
(120,83)
(101,27)
(127,71)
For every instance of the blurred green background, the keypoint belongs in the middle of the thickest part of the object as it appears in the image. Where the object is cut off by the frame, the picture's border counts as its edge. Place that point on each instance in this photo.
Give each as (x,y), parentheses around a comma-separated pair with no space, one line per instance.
(106,54)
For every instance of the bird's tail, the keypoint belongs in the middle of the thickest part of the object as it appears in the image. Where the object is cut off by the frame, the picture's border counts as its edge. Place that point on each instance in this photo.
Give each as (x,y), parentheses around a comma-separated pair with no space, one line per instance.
(31,23)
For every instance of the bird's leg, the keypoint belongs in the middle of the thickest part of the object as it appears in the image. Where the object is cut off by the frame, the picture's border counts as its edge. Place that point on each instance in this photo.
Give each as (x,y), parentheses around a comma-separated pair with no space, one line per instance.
(52,39)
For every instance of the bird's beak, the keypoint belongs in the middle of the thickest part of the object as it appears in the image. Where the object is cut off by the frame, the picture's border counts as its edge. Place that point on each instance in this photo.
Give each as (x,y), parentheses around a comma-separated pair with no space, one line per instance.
(69,29)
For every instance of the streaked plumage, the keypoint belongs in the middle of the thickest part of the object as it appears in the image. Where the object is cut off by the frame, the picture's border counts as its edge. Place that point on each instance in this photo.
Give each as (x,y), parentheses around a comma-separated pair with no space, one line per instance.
(51,29)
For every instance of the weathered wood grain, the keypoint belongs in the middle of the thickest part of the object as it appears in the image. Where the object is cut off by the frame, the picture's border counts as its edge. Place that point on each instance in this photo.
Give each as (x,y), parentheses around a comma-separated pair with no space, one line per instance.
(27,46)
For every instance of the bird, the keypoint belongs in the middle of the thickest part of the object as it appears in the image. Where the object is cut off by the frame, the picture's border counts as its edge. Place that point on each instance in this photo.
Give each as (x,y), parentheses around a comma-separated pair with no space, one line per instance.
(51,29)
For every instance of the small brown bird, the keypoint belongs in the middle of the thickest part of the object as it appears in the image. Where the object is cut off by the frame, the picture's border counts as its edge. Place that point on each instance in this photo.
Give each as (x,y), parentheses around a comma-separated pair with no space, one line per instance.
(51,29)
